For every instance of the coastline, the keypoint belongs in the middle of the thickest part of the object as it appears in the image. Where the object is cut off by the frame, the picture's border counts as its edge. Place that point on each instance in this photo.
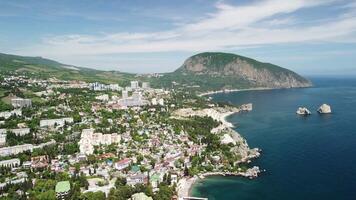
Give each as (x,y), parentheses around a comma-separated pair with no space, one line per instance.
(186,184)
(234,90)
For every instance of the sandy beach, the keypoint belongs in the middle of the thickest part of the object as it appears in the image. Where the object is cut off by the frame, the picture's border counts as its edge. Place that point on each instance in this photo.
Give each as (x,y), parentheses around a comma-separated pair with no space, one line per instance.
(185,186)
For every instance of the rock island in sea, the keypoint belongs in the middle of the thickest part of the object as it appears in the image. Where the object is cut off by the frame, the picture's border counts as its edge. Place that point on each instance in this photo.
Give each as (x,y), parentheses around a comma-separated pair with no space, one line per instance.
(230,153)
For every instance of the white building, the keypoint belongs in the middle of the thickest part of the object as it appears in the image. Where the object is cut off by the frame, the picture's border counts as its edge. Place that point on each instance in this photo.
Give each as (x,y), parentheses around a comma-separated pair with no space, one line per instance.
(125,94)
(89,139)
(10,163)
(154,101)
(134,85)
(114,87)
(104,97)
(8,114)
(55,122)
(20,102)
(20,131)
(2,139)
(161,102)
(13,150)
(145,85)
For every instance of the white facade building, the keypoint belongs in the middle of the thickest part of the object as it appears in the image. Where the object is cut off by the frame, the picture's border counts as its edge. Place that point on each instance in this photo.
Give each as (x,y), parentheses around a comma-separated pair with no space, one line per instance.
(125,94)
(20,131)
(8,114)
(145,85)
(104,97)
(89,139)
(13,150)
(20,102)
(134,85)
(2,139)
(55,122)
(10,163)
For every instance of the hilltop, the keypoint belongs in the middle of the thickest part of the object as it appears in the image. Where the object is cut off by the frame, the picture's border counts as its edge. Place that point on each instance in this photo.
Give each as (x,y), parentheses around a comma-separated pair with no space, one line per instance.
(216,71)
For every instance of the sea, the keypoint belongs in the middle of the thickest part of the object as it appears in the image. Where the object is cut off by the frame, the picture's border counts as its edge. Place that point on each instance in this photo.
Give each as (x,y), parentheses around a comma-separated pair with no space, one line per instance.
(305,157)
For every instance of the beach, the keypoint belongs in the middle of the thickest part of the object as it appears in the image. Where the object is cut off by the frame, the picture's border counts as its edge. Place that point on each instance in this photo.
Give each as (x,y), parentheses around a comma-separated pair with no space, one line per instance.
(185,186)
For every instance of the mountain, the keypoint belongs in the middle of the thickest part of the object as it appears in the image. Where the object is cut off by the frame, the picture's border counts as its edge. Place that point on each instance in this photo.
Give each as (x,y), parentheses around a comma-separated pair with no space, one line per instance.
(45,68)
(201,72)
(216,71)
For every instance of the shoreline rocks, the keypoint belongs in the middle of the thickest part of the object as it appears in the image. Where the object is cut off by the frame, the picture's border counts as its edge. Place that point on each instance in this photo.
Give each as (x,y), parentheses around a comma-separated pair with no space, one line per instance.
(303,111)
(324,109)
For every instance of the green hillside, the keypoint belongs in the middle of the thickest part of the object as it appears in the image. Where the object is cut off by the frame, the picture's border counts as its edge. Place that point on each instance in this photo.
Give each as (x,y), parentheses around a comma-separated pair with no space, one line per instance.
(45,68)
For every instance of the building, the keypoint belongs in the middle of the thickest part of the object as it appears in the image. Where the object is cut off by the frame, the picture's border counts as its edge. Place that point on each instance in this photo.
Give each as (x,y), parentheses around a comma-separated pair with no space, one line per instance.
(145,85)
(89,139)
(55,122)
(115,87)
(122,164)
(13,150)
(39,162)
(104,97)
(8,114)
(10,163)
(125,94)
(136,179)
(20,131)
(62,189)
(154,101)
(20,102)
(135,100)
(2,139)
(134,85)
(161,102)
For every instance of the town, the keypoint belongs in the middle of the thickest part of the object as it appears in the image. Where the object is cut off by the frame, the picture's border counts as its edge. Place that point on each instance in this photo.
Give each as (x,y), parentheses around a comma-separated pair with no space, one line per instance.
(88,140)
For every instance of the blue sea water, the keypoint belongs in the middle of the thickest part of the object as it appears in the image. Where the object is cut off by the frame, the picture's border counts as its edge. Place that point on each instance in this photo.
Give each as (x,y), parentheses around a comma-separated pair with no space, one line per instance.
(310,157)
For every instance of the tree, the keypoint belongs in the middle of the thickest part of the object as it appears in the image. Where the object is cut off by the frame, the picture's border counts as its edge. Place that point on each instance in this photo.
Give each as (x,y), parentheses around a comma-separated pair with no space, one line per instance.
(93,196)
(165,193)
(120,181)
(47,195)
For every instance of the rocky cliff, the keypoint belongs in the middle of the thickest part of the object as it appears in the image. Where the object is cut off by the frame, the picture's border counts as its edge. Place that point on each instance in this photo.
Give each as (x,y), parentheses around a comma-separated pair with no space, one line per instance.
(227,67)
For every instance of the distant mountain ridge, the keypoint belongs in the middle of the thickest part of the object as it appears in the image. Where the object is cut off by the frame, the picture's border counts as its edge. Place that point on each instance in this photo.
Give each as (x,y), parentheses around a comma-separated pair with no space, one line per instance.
(217,65)
(202,72)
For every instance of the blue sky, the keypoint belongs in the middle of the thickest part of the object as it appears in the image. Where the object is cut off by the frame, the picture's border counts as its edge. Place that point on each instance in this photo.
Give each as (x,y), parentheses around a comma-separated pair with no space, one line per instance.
(312,37)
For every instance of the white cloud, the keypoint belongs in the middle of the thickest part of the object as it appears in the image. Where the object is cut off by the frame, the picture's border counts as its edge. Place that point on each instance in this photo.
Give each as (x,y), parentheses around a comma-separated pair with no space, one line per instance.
(230,26)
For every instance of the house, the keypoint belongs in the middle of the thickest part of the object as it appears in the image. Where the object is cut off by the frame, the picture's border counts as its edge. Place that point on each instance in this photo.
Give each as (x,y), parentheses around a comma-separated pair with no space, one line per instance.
(62,189)
(122,164)
(39,162)
(137,179)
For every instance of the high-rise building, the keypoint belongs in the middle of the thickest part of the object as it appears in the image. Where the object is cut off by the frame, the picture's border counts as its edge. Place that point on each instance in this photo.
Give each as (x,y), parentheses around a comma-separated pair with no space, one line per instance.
(134,84)
(145,85)
(125,94)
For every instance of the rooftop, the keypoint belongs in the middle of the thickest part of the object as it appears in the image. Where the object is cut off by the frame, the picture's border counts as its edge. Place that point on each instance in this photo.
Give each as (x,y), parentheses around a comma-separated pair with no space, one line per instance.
(63,186)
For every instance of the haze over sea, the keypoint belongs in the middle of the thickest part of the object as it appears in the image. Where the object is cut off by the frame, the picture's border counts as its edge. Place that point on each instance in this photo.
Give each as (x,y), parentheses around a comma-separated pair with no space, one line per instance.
(309,157)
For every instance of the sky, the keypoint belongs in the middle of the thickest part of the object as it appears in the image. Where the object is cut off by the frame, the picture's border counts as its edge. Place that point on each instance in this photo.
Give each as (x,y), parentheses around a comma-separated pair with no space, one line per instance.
(311,37)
